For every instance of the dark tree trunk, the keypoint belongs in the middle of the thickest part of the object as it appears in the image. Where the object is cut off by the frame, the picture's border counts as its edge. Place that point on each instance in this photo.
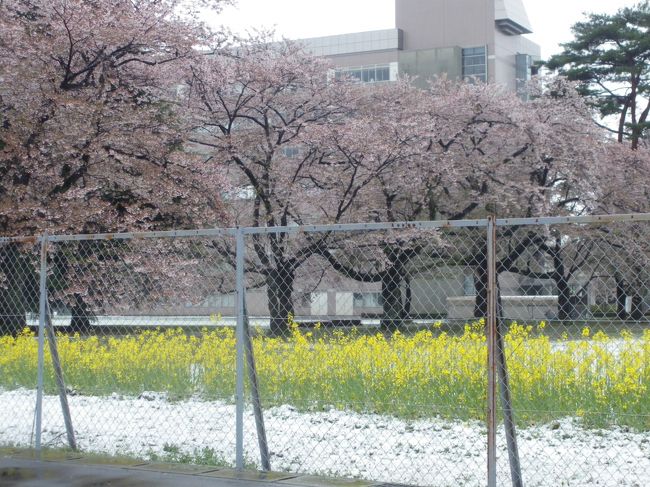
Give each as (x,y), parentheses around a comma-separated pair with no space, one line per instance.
(19,293)
(408,299)
(279,289)
(564,303)
(81,316)
(391,294)
(621,294)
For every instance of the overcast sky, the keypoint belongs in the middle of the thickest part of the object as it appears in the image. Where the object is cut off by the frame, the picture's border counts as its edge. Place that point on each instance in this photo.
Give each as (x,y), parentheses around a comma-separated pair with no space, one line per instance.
(295,19)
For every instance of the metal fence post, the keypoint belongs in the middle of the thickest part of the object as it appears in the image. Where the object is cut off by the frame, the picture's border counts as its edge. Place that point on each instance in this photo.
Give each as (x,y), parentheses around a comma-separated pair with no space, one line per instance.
(504,386)
(255,395)
(58,375)
(41,345)
(491,362)
(239,392)
(506,400)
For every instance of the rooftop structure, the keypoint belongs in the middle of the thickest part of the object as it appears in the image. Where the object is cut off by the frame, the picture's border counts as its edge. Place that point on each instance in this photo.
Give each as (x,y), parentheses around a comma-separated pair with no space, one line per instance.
(480,39)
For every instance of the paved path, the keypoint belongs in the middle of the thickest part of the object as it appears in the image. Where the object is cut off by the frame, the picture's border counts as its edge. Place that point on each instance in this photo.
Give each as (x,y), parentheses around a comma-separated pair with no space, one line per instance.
(80,472)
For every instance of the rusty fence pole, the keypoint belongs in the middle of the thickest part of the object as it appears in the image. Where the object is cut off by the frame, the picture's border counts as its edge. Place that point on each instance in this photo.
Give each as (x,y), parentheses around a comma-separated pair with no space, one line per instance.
(506,400)
(500,362)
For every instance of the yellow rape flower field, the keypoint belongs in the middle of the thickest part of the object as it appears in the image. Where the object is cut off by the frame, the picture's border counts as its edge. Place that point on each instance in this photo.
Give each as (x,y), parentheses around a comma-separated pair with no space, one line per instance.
(602,379)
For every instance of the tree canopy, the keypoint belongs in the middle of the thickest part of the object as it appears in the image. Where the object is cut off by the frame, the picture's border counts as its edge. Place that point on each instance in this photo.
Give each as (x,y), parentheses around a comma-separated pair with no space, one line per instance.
(91,136)
(112,118)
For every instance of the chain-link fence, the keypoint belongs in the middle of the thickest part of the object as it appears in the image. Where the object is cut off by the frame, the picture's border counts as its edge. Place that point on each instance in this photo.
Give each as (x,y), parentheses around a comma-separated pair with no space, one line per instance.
(427,353)
(365,379)
(575,340)
(140,363)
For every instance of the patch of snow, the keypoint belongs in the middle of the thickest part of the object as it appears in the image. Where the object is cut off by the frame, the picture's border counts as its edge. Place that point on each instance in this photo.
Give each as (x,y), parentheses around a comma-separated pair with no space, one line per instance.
(338,443)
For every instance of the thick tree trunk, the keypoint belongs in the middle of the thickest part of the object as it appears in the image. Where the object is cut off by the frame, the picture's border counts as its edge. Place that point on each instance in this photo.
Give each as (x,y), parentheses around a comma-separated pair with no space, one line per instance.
(406,311)
(279,289)
(564,303)
(12,314)
(81,316)
(391,293)
(621,294)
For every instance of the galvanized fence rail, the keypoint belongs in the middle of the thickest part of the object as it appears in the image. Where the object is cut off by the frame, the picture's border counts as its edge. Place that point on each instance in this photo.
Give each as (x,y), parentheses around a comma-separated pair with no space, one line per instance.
(477,352)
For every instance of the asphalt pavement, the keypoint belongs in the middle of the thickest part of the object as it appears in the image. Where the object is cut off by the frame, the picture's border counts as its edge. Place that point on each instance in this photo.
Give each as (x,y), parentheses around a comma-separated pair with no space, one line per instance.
(70,471)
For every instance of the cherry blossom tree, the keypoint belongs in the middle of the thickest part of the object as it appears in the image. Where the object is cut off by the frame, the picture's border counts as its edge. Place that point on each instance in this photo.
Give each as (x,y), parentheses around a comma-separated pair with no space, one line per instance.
(469,150)
(389,132)
(624,189)
(303,149)
(544,156)
(612,180)
(515,158)
(295,143)
(90,136)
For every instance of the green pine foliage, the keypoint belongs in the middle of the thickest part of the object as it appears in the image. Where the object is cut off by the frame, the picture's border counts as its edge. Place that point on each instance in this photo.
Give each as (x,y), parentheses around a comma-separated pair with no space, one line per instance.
(610,58)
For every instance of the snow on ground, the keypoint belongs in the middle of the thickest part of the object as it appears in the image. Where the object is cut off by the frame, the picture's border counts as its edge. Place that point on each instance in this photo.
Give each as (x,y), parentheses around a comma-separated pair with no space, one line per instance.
(338,443)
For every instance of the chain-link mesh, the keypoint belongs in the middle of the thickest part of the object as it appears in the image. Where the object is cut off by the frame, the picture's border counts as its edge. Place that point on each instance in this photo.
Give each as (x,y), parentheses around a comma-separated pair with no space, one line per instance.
(574,334)
(369,358)
(366,349)
(19,298)
(145,341)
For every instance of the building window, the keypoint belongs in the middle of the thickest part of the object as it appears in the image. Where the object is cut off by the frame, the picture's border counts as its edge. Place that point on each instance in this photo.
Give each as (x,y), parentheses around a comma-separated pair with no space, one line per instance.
(475,63)
(525,71)
(382,73)
(368,300)
(365,74)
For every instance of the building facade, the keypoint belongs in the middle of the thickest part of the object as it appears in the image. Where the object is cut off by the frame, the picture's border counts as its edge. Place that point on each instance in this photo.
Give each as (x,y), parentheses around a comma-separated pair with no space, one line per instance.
(482,39)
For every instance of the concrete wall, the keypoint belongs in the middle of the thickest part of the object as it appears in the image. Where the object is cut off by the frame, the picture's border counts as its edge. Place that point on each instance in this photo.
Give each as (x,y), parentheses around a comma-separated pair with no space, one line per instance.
(356,42)
(514,11)
(429,292)
(443,23)
(506,49)
(431,24)
(520,308)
